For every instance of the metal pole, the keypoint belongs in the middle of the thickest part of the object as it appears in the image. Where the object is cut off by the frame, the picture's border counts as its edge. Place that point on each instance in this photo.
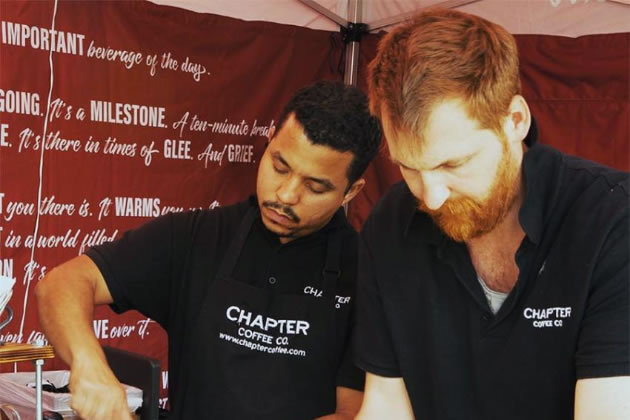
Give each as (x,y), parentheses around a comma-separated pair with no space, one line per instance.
(355,8)
(325,12)
(38,388)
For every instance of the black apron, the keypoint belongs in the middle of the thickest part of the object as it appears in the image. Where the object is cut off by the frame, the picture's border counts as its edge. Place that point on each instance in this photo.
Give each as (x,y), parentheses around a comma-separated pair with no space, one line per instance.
(260,355)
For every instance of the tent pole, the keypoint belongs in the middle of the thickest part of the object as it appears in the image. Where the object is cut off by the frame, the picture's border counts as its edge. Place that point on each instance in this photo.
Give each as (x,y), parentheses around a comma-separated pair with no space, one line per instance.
(352,28)
(325,12)
(355,9)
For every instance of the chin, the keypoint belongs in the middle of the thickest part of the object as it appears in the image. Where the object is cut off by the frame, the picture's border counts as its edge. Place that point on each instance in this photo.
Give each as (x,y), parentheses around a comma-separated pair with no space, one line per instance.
(276,229)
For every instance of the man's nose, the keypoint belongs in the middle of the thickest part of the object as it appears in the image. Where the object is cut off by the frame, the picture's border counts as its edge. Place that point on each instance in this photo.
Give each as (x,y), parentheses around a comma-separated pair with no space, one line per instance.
(430,188)
(289,191)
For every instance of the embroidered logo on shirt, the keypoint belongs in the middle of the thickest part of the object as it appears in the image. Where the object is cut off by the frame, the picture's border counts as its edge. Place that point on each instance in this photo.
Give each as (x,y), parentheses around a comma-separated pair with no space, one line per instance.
(547,317)
(340,300)
(262,333)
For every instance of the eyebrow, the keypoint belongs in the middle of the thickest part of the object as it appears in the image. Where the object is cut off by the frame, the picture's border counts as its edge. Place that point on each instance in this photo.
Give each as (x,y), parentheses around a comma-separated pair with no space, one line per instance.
(324,182)
(398,163)
(454,161)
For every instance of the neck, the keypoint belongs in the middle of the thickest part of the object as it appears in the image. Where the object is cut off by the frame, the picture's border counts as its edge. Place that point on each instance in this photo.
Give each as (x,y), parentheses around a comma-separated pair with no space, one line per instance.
(492,254)
(508,230)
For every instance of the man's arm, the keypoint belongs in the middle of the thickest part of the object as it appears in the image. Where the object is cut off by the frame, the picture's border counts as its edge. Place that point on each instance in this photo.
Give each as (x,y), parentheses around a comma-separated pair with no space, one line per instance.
(602,390)
(66,298)
(385,398)
(603,398)
(348,403)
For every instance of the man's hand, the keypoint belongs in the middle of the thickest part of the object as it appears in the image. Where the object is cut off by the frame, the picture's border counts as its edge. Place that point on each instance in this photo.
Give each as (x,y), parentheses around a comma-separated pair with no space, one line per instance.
(385,398)
(96,394)
(348,403)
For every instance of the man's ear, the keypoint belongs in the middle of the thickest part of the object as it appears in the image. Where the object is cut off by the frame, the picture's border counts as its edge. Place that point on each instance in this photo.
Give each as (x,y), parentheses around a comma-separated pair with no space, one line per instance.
(519,119)
(353,190)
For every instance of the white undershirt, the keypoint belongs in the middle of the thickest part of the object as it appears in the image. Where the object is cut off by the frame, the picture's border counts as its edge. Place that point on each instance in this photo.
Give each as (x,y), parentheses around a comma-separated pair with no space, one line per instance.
(495,299)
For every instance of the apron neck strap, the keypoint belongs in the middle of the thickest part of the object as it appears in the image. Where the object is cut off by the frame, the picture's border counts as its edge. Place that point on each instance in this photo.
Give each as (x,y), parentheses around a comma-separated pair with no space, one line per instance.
(234,250)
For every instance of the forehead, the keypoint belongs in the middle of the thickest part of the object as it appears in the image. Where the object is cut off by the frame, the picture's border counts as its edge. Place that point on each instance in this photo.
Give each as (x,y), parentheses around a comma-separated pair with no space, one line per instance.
(308,159)
(448,134)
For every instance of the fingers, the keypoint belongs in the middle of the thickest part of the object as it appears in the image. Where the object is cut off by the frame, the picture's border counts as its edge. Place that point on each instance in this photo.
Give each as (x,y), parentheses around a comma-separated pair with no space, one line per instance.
(99,401)
(96,394)
(100,409)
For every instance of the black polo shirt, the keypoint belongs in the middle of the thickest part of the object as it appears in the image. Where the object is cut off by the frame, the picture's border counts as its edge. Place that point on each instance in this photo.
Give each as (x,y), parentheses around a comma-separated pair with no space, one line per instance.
(423,316)
(164,268)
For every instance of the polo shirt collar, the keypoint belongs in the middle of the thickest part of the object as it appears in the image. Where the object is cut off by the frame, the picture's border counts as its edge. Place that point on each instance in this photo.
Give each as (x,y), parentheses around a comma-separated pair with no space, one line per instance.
(541,175)
(415,221)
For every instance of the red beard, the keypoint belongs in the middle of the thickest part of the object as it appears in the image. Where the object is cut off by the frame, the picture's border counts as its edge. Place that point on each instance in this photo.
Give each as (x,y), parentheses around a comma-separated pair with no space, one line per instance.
(465,218)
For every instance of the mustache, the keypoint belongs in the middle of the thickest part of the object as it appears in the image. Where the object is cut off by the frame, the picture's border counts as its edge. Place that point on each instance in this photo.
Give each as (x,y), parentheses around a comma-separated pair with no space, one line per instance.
(286,210)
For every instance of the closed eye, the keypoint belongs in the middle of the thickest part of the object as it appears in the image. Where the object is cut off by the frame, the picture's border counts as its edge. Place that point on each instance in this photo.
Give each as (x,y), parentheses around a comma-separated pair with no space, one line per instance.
(454,164)
(315,187)
(279,169)
(279,164)
(405,167)
(450,165)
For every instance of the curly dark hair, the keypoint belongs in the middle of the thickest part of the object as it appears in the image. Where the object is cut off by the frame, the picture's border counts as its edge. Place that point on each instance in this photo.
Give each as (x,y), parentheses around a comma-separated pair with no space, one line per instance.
(338,116)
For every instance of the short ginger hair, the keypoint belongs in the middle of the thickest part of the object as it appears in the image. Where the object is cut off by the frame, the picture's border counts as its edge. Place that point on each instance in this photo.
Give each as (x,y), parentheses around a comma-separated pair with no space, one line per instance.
(439,55)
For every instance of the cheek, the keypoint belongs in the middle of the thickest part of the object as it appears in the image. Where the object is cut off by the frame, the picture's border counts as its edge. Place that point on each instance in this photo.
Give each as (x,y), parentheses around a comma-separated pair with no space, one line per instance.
(474,185)
(266,179)
(317,209)
(476,180)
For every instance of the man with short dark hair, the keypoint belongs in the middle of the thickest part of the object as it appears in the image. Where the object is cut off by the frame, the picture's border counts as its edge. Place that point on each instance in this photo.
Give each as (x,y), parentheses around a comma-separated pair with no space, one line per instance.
(256,297)
(493,282)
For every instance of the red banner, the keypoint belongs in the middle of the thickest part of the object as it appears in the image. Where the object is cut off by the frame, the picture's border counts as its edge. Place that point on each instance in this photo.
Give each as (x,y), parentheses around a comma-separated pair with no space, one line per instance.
(112,113)
(152,110)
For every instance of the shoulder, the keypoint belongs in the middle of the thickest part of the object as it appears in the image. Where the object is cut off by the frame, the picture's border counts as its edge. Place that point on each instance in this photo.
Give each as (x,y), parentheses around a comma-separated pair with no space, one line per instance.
(395,203)
(349,238)
(392,215)
(600,193)
(599,178)
(582,204)
(349,246)
(574,173)
(561,184)
(224,218)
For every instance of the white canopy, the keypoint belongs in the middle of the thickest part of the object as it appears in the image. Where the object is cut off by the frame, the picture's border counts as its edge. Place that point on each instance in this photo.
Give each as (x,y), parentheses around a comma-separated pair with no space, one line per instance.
(551,17)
